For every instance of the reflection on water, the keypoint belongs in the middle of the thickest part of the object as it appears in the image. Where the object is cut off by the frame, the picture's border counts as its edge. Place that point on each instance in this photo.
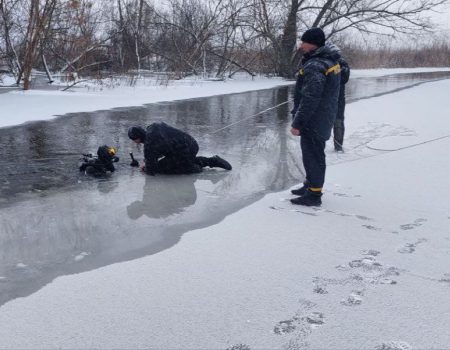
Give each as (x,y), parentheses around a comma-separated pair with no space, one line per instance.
(164,196)
(55,221)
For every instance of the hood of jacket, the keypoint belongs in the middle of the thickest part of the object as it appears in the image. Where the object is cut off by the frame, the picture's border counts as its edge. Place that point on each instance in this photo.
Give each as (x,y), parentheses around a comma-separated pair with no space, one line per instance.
(328,51)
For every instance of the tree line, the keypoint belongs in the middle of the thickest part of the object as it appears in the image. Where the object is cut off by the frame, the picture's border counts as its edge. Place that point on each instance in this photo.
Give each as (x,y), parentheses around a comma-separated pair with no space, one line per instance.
(185,37)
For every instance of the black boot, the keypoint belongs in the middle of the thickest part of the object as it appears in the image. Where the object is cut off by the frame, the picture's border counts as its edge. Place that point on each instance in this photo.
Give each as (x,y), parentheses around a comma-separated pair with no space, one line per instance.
(310,199)
(217,162)
(300,191)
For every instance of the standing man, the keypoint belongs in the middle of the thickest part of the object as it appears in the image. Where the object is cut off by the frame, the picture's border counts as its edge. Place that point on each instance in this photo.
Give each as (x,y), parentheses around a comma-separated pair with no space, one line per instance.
(315,108)
(339,127)
(168,150)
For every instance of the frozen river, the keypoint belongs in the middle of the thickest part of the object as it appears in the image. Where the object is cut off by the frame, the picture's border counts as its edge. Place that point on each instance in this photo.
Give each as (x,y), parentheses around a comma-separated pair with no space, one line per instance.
(54,221)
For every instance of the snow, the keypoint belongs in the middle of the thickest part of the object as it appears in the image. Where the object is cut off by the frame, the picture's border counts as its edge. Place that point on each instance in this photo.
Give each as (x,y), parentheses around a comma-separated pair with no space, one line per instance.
(22,106)
(361,73)
(367,270)
(7,80)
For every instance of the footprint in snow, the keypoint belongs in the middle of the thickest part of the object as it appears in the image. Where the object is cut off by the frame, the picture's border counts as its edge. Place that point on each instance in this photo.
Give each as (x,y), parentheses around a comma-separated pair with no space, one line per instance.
(239,347)
(337,194)
(445,279)
(355,298)
(371,270)
(411,247)
(294,210)
(362,217)
(372,228)
(366,263)
(416,223)
(371,252)
(300,326)
(301,322)
(394,345)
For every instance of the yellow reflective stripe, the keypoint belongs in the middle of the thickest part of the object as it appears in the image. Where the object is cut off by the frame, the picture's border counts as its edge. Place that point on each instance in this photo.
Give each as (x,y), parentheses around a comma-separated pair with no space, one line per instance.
(315,189)
(336,69)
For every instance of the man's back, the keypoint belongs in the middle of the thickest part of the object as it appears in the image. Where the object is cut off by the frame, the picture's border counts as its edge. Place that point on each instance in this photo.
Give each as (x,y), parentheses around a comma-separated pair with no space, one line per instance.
(165,140)
(317,92)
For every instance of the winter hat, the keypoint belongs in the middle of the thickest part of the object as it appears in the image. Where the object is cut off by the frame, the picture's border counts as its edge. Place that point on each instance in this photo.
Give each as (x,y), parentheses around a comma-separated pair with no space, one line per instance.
(314,36)
(136,132)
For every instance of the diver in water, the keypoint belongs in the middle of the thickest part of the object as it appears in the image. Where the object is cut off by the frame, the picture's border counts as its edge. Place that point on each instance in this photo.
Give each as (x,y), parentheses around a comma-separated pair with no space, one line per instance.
(102,163)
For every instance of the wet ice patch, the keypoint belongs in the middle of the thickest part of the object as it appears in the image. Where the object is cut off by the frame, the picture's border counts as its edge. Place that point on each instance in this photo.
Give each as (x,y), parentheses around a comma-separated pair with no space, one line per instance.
(394,345)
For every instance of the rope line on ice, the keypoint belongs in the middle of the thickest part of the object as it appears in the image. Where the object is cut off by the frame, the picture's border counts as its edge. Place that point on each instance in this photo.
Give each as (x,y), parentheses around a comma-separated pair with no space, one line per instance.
(409,146)
(251,116)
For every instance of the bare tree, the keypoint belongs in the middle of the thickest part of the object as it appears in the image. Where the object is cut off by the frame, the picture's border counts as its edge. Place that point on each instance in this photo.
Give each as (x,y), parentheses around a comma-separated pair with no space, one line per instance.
(214,38)
(386,17)
(6,10)
(40,17)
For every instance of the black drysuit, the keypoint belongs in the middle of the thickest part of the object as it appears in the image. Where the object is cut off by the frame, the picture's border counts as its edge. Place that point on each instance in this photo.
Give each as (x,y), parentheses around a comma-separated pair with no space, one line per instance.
(168,150)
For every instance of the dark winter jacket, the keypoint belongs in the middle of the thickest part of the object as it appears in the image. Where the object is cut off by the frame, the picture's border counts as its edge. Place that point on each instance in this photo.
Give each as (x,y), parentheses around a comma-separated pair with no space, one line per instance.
(162,140)
(345,76)
(316,93)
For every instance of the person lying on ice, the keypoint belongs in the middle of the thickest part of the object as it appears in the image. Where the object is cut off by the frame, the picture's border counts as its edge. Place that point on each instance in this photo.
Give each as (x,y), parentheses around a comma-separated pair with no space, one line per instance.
(168,150)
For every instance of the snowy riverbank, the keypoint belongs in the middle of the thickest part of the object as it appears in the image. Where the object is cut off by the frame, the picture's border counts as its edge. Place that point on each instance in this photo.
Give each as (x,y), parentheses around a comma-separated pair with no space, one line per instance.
(23,106)
(367,270)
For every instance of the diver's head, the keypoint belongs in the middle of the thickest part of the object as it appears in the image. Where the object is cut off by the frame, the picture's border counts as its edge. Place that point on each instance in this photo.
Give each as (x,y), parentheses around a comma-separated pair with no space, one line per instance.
(106,153)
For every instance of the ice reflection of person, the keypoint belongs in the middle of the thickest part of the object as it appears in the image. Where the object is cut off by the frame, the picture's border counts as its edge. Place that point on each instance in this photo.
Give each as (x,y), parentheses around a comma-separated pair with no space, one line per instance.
(164,196)
(168,150)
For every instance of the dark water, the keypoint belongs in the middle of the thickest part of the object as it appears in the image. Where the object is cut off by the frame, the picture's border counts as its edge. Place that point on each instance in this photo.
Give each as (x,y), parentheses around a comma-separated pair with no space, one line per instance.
(55,221)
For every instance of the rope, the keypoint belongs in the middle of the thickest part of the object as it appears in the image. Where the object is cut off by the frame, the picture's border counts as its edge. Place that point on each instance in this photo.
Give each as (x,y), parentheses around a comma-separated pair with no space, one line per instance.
(251,116)
(410,146)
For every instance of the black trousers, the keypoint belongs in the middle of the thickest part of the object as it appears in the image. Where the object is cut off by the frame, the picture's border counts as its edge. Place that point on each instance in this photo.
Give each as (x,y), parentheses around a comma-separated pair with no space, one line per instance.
(185,161)
(313,154)
(338,133)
